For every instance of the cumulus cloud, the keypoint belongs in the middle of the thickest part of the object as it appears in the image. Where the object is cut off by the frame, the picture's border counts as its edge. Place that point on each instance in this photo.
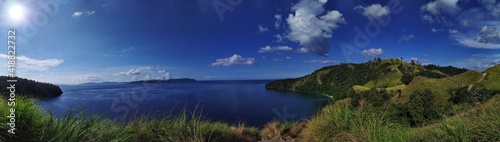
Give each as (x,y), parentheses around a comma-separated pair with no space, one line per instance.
(166,76)
(80,13)
(134,71)
(268,49)
(262,29)
(440,6)
(406,37)
(26,63)
(489,34)
(234,60)
(87,78)
(312,29)
(322,61)
(373,52)
(374,11)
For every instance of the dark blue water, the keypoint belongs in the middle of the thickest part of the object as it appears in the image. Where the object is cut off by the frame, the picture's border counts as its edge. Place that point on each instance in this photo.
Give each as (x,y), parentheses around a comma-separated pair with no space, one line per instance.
(228,101)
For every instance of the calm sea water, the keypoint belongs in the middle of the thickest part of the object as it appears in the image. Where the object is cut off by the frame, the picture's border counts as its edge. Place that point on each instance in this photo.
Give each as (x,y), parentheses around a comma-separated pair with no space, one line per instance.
(228,101)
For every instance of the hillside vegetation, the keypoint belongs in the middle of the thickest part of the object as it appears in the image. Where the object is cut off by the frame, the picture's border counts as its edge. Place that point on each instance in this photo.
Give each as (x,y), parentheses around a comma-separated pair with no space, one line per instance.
(412,95)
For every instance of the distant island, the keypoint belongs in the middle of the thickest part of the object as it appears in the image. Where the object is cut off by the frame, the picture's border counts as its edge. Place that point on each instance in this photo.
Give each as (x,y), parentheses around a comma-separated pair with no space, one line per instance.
(30,88)
(177,80)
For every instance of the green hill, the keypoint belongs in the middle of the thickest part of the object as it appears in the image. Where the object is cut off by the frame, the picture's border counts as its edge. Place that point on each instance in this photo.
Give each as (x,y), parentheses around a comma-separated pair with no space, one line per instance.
(337,79)
(413,94)
(29,88)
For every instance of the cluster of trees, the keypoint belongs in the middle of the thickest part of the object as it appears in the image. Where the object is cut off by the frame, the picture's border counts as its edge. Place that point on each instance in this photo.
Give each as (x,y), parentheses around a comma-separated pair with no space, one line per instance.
(31,88)
(373,97)
(449,70)
(463,95)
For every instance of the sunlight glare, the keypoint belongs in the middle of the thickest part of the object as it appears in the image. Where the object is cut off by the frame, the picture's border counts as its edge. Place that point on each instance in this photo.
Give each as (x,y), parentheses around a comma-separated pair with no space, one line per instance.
(17,12)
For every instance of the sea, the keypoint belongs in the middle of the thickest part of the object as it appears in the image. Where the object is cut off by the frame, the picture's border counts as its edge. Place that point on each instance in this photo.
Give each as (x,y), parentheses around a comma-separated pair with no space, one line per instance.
(236,101)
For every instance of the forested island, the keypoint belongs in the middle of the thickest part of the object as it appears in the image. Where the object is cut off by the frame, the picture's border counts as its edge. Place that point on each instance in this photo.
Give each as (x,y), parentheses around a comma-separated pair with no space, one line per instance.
(30,88)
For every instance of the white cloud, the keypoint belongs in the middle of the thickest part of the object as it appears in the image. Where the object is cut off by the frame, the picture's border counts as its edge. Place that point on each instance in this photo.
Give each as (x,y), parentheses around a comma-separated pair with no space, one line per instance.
(492,6)
(161,71)
(26,63)
(414,59)
(277,23)
(234,60)
(434,30)
(87,78)
(166,76)
(262,29)
(439,6)
(372,52)
(128,49)
(80,13)
(322,61)
(209,77)
(288,57)
(475,44)
(428,18)
(374,11)
(480,62)
(406,37)
(453,31)
(487,38)
(40,76)
(303,50)
(268,49)
(134,71)
(310,28)
(77,14)
(489,34)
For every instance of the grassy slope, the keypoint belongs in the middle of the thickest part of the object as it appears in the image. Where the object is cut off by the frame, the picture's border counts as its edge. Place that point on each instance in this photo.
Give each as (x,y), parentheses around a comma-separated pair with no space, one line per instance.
(340,123)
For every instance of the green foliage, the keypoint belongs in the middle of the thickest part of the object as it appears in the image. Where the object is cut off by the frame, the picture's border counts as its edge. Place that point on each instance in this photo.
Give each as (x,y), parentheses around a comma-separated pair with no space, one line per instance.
(407,78)
(420,109)
(30,87)
(373,96)
(431,74)
(463,95)
(449,70)
(337,79)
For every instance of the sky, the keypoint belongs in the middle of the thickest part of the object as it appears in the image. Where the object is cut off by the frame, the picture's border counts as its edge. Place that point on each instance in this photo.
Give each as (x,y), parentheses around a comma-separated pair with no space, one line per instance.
(79,41)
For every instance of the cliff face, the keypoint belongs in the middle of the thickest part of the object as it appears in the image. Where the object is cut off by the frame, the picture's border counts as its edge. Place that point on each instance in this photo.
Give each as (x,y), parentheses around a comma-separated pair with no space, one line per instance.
(30,88)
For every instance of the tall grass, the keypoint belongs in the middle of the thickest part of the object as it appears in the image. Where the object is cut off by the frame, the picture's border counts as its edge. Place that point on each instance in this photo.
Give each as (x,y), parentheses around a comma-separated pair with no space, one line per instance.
(32,124)
(336,123)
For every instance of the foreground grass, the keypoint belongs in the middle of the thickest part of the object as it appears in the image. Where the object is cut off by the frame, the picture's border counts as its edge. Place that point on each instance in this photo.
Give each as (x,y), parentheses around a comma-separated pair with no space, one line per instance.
(34,125)
(340,123)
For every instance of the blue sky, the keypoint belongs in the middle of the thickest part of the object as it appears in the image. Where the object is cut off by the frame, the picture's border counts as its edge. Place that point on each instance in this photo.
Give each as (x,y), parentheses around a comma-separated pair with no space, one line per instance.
(78,41)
